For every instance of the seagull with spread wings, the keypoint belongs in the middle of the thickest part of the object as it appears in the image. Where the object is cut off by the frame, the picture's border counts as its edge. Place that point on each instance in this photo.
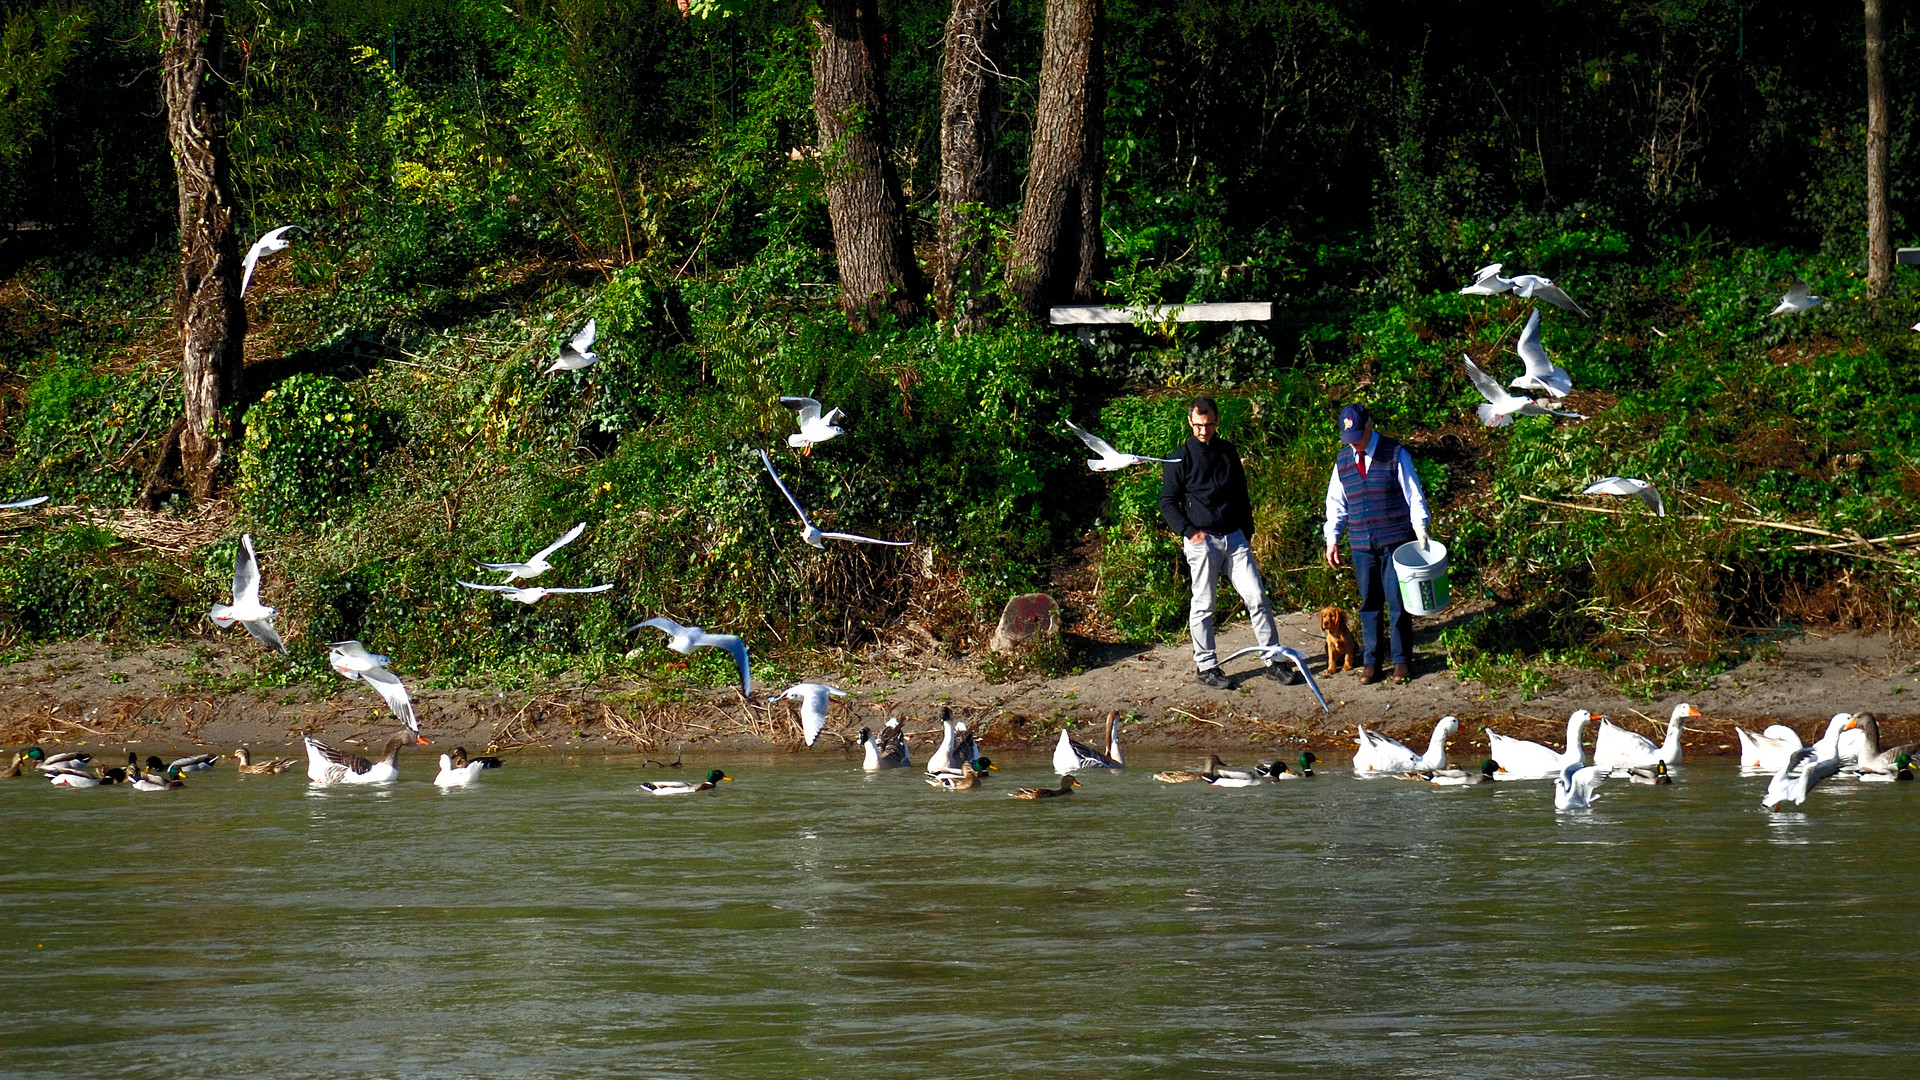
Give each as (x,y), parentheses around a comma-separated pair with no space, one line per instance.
(811,534)
(532,594)
(354,661)
(1270,653)
(1542,374)
(1627,485)
(24,503)
(266,245)
(246,609)
(1487,282)
(815,699)
(685,639)
(814,427)
(1501,406)
(1110,459)
(537,565)
(578,351)
(1535,287)
(1798,298)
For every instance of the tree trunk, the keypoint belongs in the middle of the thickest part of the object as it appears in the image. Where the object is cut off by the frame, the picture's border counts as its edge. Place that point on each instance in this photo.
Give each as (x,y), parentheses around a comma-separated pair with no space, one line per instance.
(1057,246)
(870,237)
(1879,227)
(207,307)
(969,131)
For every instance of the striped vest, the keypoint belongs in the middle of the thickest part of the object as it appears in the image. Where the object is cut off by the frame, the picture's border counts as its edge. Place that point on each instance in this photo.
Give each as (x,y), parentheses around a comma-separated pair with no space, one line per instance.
(1377,512)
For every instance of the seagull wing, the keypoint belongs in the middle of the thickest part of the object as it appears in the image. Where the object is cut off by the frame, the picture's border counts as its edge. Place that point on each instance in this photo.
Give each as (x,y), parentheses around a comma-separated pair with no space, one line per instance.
(1542,373)
(1265,651)
(583,340)
(503,567)
(807,409)
(1651,496)
(733,644)
(35,501)
(589,589)
(664,625)
(1533,286)
(246,574)
(262,629)
(1487,282)
(865,539)
(490,588)
(1495,394)
(1094,442)
(1797,294)
(388,685)
(791,501)
(1300,662)
(572,535)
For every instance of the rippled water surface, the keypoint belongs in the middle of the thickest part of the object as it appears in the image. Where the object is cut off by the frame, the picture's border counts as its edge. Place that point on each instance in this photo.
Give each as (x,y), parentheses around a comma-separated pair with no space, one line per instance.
(810,920)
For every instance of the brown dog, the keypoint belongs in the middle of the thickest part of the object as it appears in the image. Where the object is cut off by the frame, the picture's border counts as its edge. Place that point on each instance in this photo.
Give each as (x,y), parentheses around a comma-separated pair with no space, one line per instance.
(1342,651)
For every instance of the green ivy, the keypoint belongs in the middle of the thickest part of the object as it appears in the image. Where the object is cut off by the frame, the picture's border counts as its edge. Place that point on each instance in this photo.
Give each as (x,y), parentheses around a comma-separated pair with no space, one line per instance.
(308,445)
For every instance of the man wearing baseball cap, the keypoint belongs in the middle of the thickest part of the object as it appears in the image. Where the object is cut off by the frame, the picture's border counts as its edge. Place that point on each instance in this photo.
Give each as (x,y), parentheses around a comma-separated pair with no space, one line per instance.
(1374,494)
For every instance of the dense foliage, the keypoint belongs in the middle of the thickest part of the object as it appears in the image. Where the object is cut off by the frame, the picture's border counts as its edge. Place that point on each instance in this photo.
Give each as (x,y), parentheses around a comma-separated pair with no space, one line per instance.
(476,179)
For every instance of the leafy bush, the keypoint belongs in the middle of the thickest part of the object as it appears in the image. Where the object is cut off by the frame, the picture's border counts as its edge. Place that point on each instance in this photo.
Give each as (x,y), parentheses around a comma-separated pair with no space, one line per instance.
(85,433)
(308,444)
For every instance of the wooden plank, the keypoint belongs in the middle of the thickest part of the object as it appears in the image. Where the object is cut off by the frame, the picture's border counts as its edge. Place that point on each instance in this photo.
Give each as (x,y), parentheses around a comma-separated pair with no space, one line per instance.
(1101,314)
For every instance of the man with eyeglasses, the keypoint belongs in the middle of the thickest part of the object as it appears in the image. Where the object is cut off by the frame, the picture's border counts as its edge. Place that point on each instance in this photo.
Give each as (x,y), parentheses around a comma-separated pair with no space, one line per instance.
(1204,497)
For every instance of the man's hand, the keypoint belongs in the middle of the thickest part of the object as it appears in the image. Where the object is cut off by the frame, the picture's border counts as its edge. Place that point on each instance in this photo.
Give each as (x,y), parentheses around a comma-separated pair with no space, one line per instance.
(1333,556)
(1421,535)
(1199,536)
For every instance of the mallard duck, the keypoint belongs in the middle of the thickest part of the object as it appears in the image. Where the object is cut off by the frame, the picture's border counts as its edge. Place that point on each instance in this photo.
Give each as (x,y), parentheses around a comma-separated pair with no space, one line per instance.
(1869,758)
(1802,772)
(1902,772)
(1574,788)
(967,779)
(682,787)
(149,782)
(1378,755)
(1307,761)
(195,762)
(452,775)
(1656,775)
(13,769)
(1523,759)
(487,761)
(1208,769)
(1459,777)
(1070,756)
(1616,748)
(1067,784)
(1768,750)
(44,761)
(885,751)
(327,765)
(246,766)
(67,774)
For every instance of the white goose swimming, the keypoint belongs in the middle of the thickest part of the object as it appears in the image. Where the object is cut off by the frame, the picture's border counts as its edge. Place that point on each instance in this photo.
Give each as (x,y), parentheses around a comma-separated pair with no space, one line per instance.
(1070,756)
(1380,756)
(1769,750)
(1523,759)
(452,775)
(328,765)
(1869,758)
(1615,748)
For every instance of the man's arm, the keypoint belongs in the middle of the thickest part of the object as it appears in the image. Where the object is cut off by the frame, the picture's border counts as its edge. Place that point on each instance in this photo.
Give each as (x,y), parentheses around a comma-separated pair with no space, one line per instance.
(1336,516)
(1173,498)
(1416,499)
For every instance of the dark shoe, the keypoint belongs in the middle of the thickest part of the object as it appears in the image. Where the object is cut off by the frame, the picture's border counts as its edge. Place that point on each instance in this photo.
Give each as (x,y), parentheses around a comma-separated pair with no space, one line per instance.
(1369,674)
(1284,674)
(1403,672)
(1214,678)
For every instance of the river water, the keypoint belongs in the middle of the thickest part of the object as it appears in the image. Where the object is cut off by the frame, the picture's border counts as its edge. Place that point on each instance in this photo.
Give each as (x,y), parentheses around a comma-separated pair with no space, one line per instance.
(809,920)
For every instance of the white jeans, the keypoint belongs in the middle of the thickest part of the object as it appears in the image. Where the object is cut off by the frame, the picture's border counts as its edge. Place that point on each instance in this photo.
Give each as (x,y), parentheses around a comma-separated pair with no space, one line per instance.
(1205,560)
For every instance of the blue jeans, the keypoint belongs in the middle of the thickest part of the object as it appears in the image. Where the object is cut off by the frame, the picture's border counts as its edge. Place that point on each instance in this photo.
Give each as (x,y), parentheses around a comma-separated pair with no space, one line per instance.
(1379,584)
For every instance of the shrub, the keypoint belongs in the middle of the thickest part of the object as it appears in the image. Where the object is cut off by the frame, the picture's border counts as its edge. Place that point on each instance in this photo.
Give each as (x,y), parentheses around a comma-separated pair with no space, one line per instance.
(308,444)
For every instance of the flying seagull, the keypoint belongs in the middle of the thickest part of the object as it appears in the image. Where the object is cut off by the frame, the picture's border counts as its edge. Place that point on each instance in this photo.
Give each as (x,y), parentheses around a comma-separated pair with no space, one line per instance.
(24,503)
(807,531)
(1798,298)
(577,353)
(685,639)
(814,428)
(815,700)
(246,609)
(532,594)
(1501,406)
(1803,770)
(1109,459)
(1542,374)
(1627,485)
(1574,788)
(537,565)
(1535,287)
(1271,652)
(1487,282)
(266,245)
(352,660)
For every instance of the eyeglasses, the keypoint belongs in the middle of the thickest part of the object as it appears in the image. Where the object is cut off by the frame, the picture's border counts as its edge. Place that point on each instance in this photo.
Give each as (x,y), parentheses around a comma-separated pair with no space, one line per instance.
(1208,422)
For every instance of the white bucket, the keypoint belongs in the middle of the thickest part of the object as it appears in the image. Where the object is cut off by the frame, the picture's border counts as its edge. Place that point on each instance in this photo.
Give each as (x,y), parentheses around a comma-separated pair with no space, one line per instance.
(1423,576)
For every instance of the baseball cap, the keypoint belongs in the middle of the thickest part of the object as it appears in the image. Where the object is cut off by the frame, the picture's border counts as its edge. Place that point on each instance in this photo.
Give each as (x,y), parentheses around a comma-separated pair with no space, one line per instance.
(1353,424)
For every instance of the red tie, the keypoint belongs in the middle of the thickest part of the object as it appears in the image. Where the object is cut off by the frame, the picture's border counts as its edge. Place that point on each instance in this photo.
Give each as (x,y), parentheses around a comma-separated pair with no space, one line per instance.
(1361,460)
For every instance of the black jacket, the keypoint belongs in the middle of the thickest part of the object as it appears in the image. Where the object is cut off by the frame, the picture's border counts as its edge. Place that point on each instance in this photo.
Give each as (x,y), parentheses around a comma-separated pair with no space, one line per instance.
(1206,490)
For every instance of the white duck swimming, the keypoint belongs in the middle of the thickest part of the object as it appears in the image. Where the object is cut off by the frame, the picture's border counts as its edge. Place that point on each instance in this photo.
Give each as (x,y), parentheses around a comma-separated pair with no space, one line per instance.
(1615,748)
(328,765)
(1522,759)
(1770,749)
(1070,756)
(452,775)
(1378,755)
